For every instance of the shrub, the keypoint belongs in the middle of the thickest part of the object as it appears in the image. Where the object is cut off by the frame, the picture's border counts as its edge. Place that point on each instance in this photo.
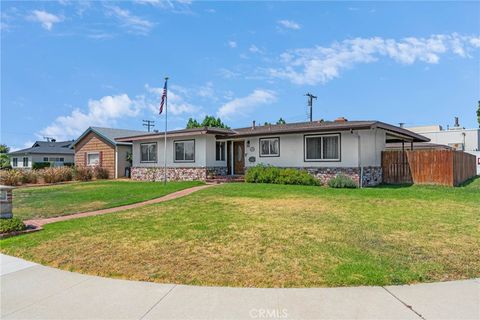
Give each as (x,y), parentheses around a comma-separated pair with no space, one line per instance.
(40,165)
(269,174)
(29,176)
(11,225)
(10,177)
(60,174)
(83,173)
(100,173)
(342,181)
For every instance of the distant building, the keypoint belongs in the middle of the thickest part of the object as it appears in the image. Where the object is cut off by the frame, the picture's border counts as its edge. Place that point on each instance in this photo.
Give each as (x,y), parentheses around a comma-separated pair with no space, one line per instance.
(456,137)
(57,153)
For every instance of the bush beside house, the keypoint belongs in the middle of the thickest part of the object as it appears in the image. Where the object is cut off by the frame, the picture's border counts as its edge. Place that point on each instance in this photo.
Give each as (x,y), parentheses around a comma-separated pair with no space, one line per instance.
(16,177)
(11,225)
(270,174)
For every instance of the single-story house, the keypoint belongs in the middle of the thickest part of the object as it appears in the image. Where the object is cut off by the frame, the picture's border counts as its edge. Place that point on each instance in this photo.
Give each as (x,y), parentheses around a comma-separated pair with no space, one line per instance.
(323,148)
(97,147)
(57,153)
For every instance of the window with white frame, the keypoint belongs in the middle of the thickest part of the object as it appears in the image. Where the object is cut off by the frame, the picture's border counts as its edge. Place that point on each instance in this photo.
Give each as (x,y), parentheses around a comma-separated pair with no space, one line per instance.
(269,147)
(14,162)
(148,152)
(45,159)
(93,159)
(25,161)
(322,147)
(220,151)
(184,150)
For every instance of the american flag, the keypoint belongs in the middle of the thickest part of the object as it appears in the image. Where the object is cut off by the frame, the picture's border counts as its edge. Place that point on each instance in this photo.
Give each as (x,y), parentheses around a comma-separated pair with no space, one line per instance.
(164,97)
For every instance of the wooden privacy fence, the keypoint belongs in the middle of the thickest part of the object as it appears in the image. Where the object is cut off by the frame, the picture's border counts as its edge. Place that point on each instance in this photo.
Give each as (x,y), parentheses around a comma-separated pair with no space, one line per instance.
(444,167)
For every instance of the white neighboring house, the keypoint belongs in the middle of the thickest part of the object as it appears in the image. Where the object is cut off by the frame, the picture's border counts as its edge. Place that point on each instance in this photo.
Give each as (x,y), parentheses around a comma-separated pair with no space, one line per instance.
(57,153)
(323,148)
(456,137)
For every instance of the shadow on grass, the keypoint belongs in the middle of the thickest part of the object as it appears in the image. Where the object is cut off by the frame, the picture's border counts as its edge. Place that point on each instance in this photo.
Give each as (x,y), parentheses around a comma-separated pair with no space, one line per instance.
(469,181)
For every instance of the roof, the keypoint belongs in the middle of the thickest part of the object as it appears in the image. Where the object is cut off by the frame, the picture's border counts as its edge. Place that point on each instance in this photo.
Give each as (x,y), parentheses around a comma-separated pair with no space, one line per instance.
(109,134)
(48,147)
(177,133)
(417,146)
(394,133)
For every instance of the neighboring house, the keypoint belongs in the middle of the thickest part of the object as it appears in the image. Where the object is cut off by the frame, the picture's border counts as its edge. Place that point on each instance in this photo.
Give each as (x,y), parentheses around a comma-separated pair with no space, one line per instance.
(456,137)
(325,149)
(97,147)
(57,153)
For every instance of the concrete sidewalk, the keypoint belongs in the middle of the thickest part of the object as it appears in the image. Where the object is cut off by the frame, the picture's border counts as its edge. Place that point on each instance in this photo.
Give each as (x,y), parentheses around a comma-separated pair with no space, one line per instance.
(32,291)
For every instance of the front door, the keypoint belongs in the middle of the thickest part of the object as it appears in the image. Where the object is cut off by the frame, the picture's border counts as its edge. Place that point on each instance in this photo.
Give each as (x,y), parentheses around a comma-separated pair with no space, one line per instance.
(239,157)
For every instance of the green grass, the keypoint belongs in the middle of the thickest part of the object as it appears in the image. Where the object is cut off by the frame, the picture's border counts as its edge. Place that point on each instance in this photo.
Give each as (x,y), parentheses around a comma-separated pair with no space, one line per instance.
(275,236)
(59,200)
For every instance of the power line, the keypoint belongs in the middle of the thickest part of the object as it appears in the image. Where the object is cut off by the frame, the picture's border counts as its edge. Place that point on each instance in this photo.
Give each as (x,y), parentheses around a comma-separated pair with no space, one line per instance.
(149,124)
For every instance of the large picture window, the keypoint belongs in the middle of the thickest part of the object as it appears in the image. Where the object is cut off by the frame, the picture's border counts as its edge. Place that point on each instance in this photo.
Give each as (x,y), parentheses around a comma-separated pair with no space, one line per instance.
(148,152)
(270,147)
(184,151)
(322,147)
(220,151)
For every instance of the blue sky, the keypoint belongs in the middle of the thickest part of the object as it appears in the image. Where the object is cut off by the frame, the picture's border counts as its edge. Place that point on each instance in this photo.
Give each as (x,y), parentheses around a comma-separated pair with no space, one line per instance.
(67,65)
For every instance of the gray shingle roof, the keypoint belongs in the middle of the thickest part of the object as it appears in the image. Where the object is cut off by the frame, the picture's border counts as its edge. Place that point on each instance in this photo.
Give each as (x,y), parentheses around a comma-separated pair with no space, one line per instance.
(45,147)
(110,134)
(298,127)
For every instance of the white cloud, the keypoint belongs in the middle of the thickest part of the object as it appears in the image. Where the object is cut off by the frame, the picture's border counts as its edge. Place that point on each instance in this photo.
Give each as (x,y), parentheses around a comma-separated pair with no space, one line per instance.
(243,106)
(46,19)
(177,104)
(232,44)
(289,24)
(102,112)
(133,23)
(254,49)
(321,64)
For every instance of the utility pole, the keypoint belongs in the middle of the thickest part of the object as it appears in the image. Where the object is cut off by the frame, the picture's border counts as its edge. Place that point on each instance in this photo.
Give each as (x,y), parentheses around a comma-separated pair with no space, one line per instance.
(310,104)
(149,124)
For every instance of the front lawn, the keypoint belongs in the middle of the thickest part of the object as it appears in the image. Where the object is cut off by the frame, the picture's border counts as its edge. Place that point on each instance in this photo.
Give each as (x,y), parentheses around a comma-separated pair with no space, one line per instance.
(59,200)
(275,236)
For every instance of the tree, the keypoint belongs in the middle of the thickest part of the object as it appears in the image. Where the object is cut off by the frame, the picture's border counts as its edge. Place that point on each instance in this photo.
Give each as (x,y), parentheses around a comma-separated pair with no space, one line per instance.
(4,158)
(192,123)
(281,121)
(478,114)
(209,121)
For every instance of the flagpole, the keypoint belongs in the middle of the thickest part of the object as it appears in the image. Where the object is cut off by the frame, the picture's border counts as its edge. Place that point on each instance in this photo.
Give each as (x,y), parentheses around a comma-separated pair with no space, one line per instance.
(165,142)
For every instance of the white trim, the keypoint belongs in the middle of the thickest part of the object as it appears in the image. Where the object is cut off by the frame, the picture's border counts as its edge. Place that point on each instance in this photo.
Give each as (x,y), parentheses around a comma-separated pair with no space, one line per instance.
(116,162)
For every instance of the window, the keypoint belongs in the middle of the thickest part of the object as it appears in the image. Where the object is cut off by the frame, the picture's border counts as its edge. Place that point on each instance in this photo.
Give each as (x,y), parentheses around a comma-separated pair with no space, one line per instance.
(185,151)
(45,159)
(270,147)
(148,152)
(322,148)
(61,159)
(25,161)
(220,151)
(93,159)
(14,162)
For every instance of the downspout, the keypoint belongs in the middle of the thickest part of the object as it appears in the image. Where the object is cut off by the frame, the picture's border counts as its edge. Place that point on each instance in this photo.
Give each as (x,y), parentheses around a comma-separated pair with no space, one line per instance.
(360,183)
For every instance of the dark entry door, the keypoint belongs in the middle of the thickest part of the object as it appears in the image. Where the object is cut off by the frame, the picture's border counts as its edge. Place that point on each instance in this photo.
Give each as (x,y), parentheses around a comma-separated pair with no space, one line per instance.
(239,157)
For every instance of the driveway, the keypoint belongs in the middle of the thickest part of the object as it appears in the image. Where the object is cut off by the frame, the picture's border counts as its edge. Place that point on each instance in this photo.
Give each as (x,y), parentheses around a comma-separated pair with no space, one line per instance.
(32,291)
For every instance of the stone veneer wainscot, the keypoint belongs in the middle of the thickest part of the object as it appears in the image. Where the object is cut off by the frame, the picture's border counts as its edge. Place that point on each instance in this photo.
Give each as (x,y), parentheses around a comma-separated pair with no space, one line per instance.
(177,174)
